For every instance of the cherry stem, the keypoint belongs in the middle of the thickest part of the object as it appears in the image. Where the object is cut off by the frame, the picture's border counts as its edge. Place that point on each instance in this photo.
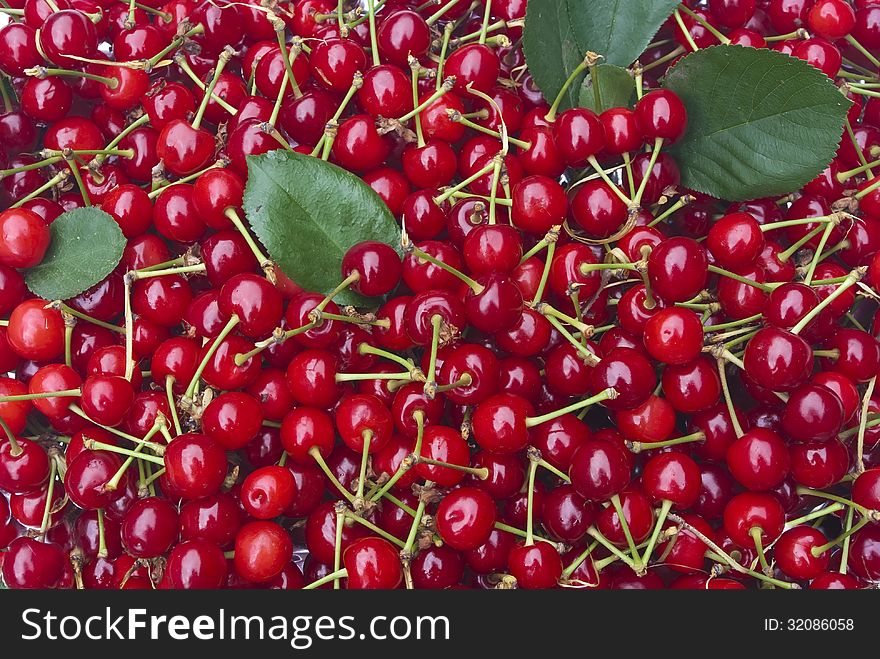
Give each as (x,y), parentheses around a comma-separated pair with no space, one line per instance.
(712,545)
(361,377)
(549,311)
(58,179)
(639,566)
(594,533)
(315,452)
(185,179)
(64,393)
(553,470)
(431,376)
(222,61)
(660,61)
(786,254)
(174,45)
(577,562)
(826,233)
(94,445)
(596,165)
(185,67)
(638,447)
(458,117)
(843,177)
(687,35)
(74,169)
(655,153)
(209,354)
(854,277)
(844,549)
(860,444)
(834,217)
(367,436)
(465,183)
(169,392)
(816,514)
(560,97)
(534,457)
(858,149)
(665,507)
(743,280)
(42,72)
(414,70)
(607,394)
(340,522)
(683,201)
(333,576)
(177,270)
(374,43)
(479,472)
(551,237)
(545,274)
(755,532)
(16,447)
(731,410)
(810,492)
(288,56)
(366,349)
(818,551)
(409,461)
(445,86)
(589,357)
(702,21)
(465,380)
(113,483)
(232,214)
(732,324)
(375,529)
(444,47)
(102,538)
(325,144)
(864,51)
(436,16)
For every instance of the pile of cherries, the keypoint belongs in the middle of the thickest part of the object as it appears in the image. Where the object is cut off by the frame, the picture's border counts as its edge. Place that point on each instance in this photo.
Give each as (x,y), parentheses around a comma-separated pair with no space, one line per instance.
(579,374)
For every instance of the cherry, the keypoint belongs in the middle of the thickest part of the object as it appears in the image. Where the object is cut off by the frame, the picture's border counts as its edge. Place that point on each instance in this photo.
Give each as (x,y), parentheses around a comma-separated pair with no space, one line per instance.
(732,13)
(363,423)
(535,566)
(674,336)
(184,149)
(401,35)
(29,563)
(267,492)
(759,459)
(735,240)
(692,387)
(465,518)
(36,332)
(678,269)
(262,549)
(195,465)
(196,564)
(377,266)
(358,145)
(580,135)
(831,19)
(106,399)
(476,65)
(661,115)
(794,555)
(753,510)
(812,413)
(437,568)
(778,359)
(372,564)
(54,377)
(599,469)
(499,423)
(629,373)
(232,419)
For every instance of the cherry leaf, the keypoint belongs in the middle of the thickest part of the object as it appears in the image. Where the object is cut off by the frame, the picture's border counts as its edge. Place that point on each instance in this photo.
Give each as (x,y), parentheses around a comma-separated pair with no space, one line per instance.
(86,246)
(760,123)
(308,213)
(616,89)
(559,33)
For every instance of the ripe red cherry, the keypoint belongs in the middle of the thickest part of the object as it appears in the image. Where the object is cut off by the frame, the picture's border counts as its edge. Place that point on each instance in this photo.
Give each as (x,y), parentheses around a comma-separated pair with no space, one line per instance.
(311,377)
(866,489)
(579,136)
(672,477)
(24,238)
(262,549)
(539,203)
(29,563)
(23,466)
(661,114)
(363,416)
(735,240)
(401,35)
(150,527)
(465,518)
(753,510)
(256,303)
(106,399)
(535,566)
(372,564)
(377,265)
(358,146)
(305,428)
(335,62)
(812,413)
(195,465)
(184,149)
(831,19)
(779,360)
(598,210)
(674,335)
(232,419)
(267,492)
(196,564)
(499,423)
(759,459)
(629,373)
(678,269)
(599,469)
(794,555)
(35,332)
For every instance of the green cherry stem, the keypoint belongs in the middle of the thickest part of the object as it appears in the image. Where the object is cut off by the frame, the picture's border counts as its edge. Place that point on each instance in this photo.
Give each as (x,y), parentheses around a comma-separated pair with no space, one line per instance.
(860,444)
(222,61)
(851,280)
(316,454)
(169,392)
(731,410)
(639,565)
(638,447)
(816,514)
(50,491)
(743,280)
(665,507)
(534,457)
(655,153)
(340,509)
(374,42)
(606,394)
(844,548)
(209,354)
(818,551)
(578,71)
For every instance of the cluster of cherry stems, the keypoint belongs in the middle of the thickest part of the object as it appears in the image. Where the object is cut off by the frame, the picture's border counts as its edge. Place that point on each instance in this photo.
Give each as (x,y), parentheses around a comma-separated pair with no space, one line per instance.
(542,395)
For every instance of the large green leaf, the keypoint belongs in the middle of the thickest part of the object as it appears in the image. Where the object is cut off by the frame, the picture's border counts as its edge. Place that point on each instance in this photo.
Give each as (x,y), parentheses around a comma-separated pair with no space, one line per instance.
(760,123)
(559,33)
(616,88)
(86,246)
(308,213)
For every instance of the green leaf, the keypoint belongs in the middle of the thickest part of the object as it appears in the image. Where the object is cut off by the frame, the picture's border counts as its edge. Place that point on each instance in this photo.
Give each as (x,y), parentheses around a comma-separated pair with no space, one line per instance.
(86,246)
(559,33)
(760,123)
(616,88)
(308,213)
